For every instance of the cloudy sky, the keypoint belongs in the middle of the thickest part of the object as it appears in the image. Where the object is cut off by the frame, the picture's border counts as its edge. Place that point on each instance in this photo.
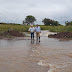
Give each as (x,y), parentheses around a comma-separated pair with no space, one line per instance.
(15,11)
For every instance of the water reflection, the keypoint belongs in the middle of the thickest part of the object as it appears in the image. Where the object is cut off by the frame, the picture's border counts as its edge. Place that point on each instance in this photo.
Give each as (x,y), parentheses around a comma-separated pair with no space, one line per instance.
(32,41)
(35,42)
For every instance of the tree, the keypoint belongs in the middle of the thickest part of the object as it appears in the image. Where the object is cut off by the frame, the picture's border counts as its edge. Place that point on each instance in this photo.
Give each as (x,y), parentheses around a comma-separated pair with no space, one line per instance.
(50,22)
(67,23)
(30,19)
(23,22)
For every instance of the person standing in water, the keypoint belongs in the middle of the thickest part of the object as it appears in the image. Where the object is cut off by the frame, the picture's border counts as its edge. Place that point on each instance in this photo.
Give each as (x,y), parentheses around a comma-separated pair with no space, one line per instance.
(32,29)
(38,31)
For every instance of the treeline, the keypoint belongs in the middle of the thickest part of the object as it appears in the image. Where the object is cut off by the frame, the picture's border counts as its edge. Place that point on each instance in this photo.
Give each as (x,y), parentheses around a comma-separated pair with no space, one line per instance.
(48,22)
(9,23)
(68,23)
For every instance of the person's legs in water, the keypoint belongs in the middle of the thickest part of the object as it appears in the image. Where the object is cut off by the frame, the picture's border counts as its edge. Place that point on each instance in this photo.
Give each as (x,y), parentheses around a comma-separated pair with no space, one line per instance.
(33,35)
(39,36)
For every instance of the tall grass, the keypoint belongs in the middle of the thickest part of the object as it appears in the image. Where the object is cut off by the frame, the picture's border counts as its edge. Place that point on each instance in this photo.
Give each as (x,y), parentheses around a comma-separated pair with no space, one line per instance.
(24,28)
(61,29)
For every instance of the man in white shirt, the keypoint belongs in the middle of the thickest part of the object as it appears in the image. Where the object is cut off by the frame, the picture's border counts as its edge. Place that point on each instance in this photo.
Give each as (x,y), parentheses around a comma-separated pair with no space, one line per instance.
(38,31)
(32,29)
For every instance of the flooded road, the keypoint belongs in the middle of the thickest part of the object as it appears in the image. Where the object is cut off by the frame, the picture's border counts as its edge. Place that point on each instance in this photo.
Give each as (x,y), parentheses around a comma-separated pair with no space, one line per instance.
(50,55)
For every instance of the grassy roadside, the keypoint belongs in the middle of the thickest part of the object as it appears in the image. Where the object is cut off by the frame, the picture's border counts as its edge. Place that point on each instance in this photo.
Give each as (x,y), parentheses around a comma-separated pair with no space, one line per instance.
(24,28)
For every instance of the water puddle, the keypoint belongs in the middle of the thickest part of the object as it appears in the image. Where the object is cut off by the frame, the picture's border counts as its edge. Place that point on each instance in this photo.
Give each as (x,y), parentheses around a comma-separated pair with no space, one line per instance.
(50,55)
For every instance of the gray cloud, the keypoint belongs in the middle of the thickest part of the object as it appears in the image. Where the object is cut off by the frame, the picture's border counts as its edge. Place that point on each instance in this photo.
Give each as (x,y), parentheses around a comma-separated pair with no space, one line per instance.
(17,10)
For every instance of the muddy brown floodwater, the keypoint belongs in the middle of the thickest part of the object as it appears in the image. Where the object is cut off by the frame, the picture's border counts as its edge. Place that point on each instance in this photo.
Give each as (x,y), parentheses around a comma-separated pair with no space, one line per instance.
(50,55)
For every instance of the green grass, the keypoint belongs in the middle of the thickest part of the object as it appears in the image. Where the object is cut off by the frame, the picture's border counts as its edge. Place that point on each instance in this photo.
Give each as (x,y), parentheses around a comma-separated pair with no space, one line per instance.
(61,29)
(24,28)
(21,28)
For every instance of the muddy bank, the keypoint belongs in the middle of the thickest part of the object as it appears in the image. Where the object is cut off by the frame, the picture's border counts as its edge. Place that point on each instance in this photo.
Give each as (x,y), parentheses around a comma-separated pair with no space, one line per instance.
(66,35)
(11,34)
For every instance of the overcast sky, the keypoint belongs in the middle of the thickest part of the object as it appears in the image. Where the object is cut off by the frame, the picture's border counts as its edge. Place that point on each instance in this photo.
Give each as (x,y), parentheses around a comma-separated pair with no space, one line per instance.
(16,10)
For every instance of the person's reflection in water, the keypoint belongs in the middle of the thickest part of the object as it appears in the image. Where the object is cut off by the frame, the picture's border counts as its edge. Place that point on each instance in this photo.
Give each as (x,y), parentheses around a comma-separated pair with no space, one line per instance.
(32,41)
(37,42)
